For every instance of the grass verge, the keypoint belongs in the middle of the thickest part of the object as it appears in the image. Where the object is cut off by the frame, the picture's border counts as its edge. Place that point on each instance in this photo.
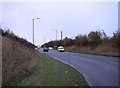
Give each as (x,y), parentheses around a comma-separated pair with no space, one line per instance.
(51,72)
(99,50)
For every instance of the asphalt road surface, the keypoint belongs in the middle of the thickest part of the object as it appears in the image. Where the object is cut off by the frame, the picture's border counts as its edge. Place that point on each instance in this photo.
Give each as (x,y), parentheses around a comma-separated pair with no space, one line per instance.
(98,70)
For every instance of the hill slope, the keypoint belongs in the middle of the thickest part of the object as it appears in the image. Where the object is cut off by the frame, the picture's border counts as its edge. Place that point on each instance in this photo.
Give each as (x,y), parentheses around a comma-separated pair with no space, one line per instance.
(18,61)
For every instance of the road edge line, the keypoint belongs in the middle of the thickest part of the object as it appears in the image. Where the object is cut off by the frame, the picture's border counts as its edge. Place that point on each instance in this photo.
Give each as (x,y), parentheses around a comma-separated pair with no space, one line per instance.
(74,68)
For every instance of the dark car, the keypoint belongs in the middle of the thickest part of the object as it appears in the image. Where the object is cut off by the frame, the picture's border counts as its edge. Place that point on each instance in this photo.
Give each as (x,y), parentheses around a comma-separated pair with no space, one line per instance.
(45,49)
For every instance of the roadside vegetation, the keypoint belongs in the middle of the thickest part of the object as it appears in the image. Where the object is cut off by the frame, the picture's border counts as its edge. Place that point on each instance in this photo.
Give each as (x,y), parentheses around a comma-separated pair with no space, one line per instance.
(18,58)
(51,72)
(96,42)
(22,65)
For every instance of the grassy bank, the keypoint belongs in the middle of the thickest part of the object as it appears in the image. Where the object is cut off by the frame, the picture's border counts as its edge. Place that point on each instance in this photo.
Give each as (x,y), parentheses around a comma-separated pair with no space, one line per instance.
(23,66)
(99,50)
(18,61)
(50,72)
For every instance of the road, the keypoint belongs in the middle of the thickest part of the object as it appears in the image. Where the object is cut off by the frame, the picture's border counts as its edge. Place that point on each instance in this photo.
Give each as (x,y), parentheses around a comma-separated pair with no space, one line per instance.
(97,70)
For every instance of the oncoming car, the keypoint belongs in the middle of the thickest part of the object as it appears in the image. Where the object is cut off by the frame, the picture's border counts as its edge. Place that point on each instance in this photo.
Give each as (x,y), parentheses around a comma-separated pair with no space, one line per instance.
(45,49)
(61,49)
(50,48)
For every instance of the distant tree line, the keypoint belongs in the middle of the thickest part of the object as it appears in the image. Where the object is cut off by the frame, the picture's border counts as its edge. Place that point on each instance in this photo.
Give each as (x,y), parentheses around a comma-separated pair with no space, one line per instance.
(10,34)
(94,38)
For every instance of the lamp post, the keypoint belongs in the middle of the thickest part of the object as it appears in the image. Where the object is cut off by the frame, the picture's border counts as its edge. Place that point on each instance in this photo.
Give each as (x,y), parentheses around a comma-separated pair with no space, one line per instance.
(33,28)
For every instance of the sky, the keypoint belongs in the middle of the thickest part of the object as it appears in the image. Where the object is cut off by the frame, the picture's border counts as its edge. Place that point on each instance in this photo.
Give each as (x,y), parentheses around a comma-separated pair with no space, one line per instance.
(73,18)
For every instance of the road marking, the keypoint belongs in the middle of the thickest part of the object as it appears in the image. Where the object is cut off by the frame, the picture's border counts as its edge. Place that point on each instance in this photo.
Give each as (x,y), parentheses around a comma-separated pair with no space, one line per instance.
(94,60)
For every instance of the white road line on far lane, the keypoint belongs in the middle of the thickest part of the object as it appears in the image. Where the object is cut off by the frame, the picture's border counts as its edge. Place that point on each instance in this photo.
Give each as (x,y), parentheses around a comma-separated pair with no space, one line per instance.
(103,61)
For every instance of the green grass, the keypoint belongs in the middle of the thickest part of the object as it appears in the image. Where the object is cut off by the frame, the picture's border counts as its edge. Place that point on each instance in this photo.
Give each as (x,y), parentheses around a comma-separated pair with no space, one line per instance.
(50,72)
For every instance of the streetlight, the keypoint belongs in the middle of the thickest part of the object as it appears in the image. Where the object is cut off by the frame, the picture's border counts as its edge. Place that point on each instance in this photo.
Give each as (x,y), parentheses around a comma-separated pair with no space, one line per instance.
(56,33)
(33,28)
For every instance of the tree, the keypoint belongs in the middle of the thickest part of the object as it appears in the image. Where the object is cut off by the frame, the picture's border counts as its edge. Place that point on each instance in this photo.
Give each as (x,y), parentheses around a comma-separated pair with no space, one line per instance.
(105,38)
(81,40)
(67,41)
(115,40)
(94,37)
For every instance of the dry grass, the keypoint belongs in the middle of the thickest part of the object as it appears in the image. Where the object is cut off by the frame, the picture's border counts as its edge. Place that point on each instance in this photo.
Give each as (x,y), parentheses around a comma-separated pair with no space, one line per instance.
(99,50)
(51,72)
(18,61)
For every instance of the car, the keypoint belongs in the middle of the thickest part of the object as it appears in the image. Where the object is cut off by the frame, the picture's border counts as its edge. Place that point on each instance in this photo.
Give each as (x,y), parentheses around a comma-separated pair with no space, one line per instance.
(45,49)
(50,48)
(61,49)
(36,48)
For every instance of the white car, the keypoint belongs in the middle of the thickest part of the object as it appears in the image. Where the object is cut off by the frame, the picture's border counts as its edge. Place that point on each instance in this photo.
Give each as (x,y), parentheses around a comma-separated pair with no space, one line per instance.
(61,49)
(50,48)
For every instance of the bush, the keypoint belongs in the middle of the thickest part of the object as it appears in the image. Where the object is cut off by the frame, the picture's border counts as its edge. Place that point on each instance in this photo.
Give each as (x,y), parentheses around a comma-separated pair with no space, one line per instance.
(115,40)
(94,38)
(10,34)
(67,42)
(105,38)
(81,40)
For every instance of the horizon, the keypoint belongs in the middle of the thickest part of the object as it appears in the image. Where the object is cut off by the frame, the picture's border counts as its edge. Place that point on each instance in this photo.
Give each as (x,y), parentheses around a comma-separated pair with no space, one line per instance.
(72,18)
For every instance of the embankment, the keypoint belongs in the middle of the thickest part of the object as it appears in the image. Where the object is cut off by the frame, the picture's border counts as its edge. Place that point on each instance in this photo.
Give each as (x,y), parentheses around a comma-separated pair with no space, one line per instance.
(18,61)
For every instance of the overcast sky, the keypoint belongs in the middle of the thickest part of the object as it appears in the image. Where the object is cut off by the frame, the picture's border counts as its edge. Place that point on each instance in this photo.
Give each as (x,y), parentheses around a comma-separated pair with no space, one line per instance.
(72,18)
